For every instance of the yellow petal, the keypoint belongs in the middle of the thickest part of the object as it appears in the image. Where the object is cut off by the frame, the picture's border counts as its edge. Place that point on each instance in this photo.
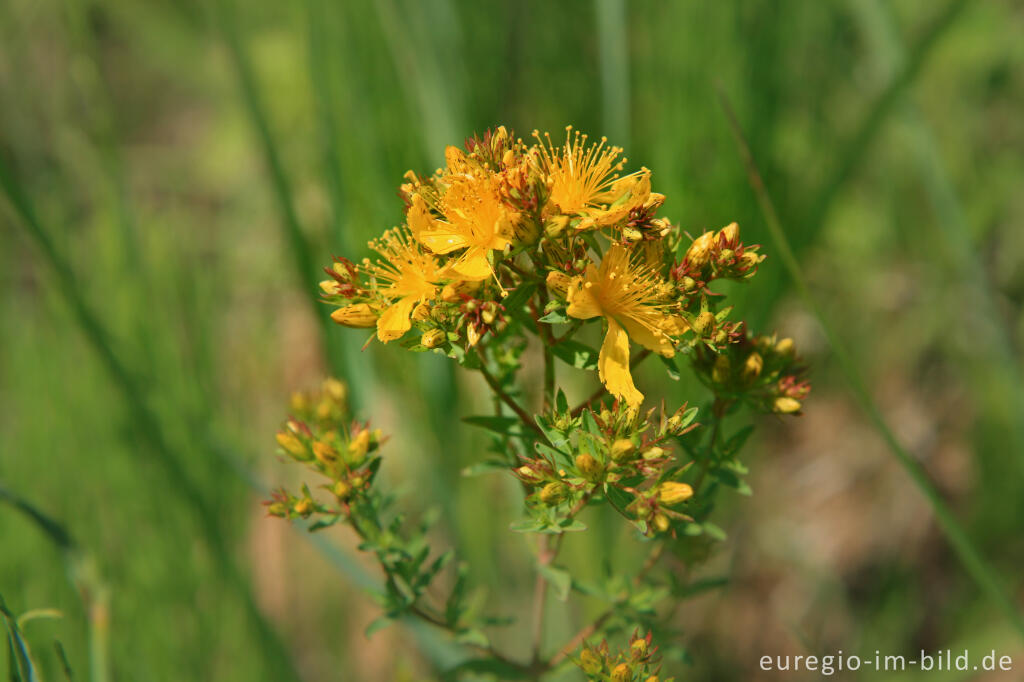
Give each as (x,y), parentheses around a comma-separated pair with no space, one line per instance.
(651,339)
(442,239)
(395,320)
(473,265)
(583,305)
(613,366)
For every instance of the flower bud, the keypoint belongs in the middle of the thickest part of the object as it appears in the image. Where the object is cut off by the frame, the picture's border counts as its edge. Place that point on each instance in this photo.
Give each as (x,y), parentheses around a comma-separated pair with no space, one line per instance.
(358,315)
(555,225)
(731,232)
(303,507)
(704,323)
(337,390)
(753,366)
(689,284)
(553,493)
(638,649)
(652,678)
(279,509)
(292,445)
(359,446)
(472,335)
(726,256)
(660,523)
(432,338)
(342,490)
(325,454)
(330,287)
(750,259)
(622,673)
(488,316)
(298,402)
(699,252)
(588,466)
(786,405)
(558,283)
(590,661)
(653,453)
(720,372)
(420,312)
(674,492)
(631,234)
(622,449)
(785,346)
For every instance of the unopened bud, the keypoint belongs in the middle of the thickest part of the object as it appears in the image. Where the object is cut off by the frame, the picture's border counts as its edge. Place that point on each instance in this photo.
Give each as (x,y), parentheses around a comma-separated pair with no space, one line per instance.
(689,284)
(303,507)
(699,252)
(750,258)
(786,405)
(622,449)
(731,232)
(342,490)
(359,446)
(337,390)
(674,492)
(726,256)
(330,287)
(487,316)
(358,315)
(325,454)
(638,648)
(278,509)
(553,493)
(588,466)
(590,661)
(555,225)
(432,338)
(298,402)
(653,453)
(753,366)
(472,335)
(558,283)
(785,346)
(508,157)
(292,445)
(720,372)
(622,673)
(420,312)
(660,523)
(631,234)
(704,323)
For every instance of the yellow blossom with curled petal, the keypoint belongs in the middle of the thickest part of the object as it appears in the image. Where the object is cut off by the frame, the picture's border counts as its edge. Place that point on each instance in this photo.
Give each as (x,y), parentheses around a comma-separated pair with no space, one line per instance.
(628,296)
(405,277)
(476,219)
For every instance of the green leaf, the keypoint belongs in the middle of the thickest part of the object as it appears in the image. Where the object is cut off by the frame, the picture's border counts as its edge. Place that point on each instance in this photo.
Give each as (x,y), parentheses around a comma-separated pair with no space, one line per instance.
(322,523)
(561,402)
(527,526)
(736,441)
(714,531)
(559,579)
(500,425)
(576,354)
(730,479)
(701,586)
(517,299)
(377,625)
(571,526)
(555,317)
(671,367)
(472,636)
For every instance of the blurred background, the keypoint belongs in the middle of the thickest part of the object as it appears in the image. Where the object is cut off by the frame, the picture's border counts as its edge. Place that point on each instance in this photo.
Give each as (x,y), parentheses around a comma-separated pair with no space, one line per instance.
(176,173)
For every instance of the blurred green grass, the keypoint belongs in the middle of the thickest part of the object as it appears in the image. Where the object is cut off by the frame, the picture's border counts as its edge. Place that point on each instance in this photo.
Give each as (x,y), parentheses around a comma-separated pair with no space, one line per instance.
(130,127)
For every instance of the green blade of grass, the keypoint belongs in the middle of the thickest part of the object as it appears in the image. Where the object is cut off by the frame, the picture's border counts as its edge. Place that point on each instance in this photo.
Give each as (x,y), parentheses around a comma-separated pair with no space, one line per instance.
(148,425)
(84,576)
(976,566)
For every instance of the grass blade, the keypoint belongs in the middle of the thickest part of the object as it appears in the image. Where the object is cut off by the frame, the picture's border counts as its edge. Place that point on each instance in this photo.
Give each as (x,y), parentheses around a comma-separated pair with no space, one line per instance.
(149,426)
(976,566)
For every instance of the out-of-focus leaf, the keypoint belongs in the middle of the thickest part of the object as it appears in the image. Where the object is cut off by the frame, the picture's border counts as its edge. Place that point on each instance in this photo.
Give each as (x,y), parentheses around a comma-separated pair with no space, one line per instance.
(576,354)
(504,426)
(559,579)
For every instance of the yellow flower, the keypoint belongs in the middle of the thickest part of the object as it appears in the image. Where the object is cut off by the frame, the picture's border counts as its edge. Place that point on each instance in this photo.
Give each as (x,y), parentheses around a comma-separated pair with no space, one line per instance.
(585,180)
(476,220)
(406,277)
(628,296)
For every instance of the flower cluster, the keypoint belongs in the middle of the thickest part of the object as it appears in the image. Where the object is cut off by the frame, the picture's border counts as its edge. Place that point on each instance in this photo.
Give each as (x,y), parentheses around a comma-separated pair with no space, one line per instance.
(512,244)
(320,435)
(541,233)
(622,456)
(638,663)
